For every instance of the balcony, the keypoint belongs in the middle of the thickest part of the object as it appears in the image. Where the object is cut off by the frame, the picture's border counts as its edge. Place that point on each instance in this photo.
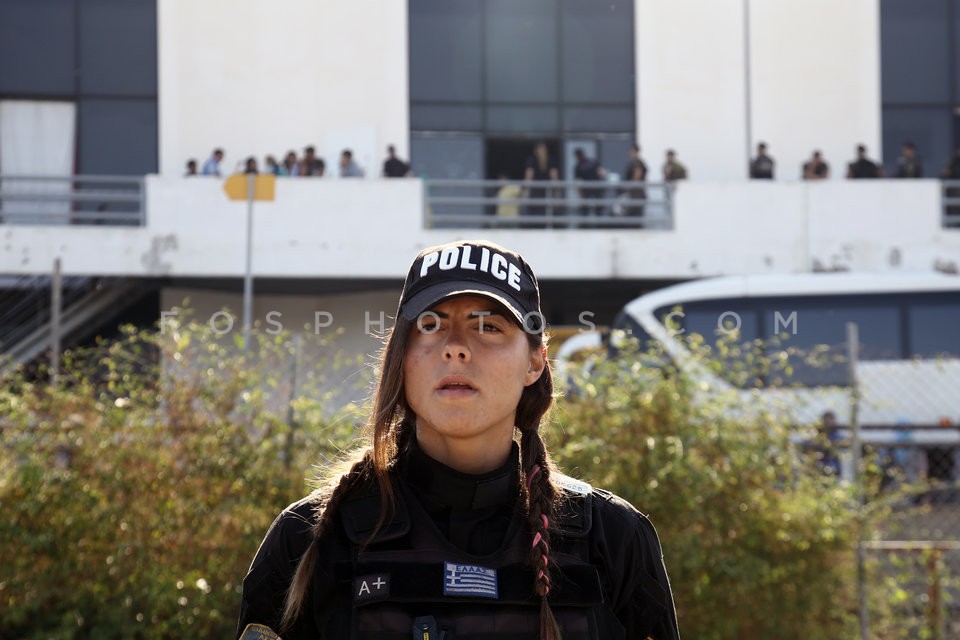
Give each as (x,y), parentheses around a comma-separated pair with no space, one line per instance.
(345,229)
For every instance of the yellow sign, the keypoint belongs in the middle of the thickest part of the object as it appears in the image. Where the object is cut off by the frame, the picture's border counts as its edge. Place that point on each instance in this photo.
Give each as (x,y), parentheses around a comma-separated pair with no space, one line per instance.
(237,186)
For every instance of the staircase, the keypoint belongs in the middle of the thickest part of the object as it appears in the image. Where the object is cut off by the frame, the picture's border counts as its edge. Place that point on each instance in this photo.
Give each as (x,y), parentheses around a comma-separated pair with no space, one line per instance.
(88,305)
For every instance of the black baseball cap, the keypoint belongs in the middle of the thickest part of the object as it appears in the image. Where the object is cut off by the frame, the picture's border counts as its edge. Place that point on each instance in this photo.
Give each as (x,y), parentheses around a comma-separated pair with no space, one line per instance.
(473,267)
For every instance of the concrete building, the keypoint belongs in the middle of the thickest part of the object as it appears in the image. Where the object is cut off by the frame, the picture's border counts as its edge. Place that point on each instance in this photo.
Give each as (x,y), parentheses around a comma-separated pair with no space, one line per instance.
(463,90)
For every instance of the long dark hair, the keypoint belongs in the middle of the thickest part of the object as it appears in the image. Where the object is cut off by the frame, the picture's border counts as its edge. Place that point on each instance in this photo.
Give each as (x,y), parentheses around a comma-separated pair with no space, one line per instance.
(392,424)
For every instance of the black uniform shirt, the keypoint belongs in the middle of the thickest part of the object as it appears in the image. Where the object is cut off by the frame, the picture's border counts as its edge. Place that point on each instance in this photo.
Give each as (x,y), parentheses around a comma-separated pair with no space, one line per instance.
(474,512)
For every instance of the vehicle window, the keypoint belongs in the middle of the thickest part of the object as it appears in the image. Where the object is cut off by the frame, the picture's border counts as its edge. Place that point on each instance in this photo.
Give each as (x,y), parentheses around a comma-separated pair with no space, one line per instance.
(933,330)
(729,329)
(631,328)
(816,341)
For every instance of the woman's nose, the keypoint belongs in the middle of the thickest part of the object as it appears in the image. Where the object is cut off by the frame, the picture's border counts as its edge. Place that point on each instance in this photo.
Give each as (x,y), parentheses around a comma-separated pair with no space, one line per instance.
(456,347)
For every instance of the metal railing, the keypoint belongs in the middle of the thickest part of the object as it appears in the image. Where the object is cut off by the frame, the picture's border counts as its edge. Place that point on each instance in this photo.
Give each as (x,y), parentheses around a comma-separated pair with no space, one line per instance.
(552,204)
(25,304)
(56,200)
(951,204)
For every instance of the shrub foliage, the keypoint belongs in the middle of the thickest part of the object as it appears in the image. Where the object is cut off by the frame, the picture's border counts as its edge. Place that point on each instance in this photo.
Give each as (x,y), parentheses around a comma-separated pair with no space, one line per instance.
(135,493)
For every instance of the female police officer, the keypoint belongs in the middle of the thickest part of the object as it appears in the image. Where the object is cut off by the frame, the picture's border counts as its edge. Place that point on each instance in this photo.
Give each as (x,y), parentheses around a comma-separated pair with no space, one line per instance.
(447,527)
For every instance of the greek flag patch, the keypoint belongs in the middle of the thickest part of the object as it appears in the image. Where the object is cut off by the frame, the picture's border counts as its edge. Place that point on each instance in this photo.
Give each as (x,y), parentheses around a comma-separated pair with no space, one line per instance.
(469,580)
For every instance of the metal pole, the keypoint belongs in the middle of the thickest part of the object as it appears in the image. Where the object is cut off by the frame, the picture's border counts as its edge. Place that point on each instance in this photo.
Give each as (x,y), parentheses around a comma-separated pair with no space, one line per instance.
(746,78)
(56,301)
(853,354)
(248,274)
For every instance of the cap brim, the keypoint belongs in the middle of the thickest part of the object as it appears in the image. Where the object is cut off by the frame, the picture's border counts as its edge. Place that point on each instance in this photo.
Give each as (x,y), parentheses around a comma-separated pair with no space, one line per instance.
(424,300)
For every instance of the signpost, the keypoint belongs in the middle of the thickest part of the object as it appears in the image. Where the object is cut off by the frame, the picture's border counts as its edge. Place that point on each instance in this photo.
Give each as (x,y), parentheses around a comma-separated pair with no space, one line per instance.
(249,187)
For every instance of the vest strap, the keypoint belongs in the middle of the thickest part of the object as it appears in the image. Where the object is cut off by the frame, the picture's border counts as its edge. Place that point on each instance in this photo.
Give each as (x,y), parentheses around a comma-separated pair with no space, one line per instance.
(360,514)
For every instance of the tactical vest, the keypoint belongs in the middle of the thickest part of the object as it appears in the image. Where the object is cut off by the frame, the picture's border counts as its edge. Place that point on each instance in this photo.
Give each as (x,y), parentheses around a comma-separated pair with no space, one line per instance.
(410,582)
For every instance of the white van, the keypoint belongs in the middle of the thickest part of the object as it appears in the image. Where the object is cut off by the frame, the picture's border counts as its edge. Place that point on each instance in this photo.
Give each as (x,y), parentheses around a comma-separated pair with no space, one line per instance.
(909,352)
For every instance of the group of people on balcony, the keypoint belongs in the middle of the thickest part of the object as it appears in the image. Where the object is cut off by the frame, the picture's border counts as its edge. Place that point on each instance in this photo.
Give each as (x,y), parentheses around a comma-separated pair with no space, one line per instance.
(909,165)
(308,165)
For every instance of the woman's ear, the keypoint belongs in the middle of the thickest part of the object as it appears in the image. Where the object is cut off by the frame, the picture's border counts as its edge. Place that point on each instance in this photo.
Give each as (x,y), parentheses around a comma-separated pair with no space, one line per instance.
(538,362)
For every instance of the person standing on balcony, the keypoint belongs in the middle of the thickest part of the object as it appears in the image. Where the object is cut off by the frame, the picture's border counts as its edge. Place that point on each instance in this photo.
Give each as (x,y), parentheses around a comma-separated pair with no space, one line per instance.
(815,168)
(863,167)
(454,522)
(394,167)
(290,166)
(951,170)
(634,171)
(271,165)
(761,167)
(540,167)
(212,166)
(589,170)
(348,167)
(909,164)
(673,169)
(311,164)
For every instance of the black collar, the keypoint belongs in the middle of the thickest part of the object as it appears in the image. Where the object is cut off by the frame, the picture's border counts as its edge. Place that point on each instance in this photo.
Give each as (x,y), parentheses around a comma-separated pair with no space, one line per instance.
(454,489)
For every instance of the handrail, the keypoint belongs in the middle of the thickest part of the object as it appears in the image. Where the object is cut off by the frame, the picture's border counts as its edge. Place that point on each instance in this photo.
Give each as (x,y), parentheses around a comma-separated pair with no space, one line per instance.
(950,200)
(561,204)
(75,199)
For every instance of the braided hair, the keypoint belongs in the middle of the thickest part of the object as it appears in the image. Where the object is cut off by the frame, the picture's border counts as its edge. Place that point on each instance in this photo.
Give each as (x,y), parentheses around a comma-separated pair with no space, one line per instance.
(392,425)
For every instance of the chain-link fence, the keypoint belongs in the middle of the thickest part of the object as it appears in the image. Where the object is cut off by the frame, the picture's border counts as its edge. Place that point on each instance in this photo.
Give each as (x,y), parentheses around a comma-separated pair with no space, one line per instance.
(902,448)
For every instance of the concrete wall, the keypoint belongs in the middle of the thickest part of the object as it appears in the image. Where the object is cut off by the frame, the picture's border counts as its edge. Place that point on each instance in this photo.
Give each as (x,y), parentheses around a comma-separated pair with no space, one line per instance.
(813,81)
(261,78)
(340,229)
(690,85)
(815,71)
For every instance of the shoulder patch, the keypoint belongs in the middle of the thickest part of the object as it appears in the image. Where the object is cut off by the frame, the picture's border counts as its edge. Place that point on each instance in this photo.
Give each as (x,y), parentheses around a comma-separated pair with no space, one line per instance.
(259,632)
(571,484)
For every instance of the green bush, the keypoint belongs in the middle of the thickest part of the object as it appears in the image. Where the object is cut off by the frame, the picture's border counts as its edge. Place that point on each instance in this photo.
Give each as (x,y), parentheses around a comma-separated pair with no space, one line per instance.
(135,494)
(758,540)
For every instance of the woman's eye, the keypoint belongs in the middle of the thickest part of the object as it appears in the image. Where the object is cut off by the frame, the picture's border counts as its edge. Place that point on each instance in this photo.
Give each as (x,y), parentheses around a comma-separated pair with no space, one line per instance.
(429,327)
(489,328)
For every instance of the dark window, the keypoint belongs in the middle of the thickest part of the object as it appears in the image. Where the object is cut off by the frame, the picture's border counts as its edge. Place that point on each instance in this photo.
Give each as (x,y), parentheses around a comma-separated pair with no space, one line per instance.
(933,330)
(100,55)
(512,119)
(117,137)
(598,119)
(631,328)
(502,67)
(521,51)
(928,128)
(920,78)
(715,323)
(818,349)
(955,10)
(597,52)
(445,50)
(729,330)
(431,117)
(118,47)
(37,47)
(449,157)
(915,51)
